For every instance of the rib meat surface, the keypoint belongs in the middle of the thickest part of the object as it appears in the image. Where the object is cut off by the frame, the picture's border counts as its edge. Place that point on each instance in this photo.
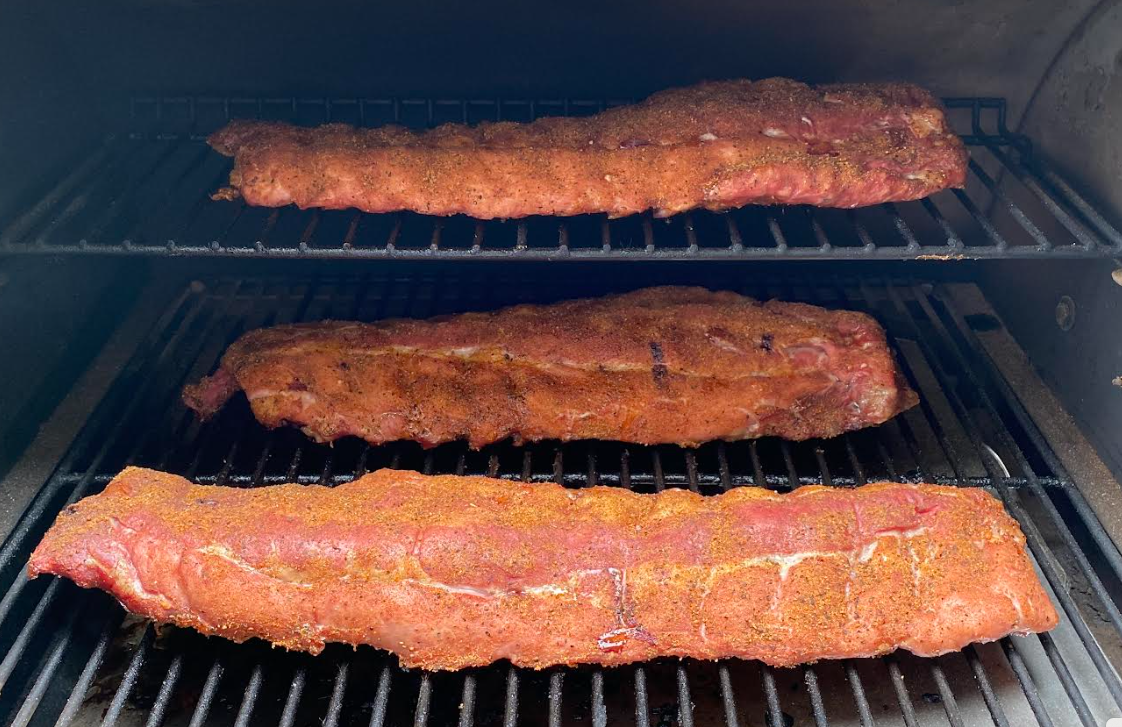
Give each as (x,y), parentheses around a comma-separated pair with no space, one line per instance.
(714,145)
(450,572)
(659,365)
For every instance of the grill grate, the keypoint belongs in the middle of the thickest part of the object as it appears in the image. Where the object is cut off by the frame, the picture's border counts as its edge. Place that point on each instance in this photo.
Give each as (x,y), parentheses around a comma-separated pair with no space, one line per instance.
(146,192)
(72,657)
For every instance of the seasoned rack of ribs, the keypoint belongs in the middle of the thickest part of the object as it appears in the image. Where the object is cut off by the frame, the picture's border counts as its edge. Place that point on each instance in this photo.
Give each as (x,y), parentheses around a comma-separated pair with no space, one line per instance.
(714,145)
(659,365)
(449,572)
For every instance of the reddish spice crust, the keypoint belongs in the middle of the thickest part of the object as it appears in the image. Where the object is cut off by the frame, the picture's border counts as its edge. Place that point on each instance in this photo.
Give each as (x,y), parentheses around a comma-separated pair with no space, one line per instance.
(713,145)
(450,572)
(659,365)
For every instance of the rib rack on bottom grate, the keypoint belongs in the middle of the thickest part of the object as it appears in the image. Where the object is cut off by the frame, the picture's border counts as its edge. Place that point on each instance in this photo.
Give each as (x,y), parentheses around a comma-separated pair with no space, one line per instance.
(69,656)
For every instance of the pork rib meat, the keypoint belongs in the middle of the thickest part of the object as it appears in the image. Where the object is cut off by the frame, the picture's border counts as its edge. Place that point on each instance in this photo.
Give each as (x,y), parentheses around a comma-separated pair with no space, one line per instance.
(450,572)
(659,365)
(714,145)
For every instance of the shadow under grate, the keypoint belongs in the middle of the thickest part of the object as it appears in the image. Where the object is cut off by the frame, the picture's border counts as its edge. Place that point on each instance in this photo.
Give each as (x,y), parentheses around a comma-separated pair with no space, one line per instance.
(71,656)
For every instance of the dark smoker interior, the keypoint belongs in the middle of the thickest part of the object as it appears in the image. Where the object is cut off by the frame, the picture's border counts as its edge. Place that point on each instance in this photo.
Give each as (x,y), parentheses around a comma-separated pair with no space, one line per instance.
(120,280)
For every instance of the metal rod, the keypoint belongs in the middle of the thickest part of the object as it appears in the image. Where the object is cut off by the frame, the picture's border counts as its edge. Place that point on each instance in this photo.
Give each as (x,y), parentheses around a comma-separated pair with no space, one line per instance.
(85,679)
(249,699)
(993,703)
(642,704)
(728,699)
(128,681)
(59,644)
(1028,686)
(863,708)
(599,709)
(817,706)
(424,699)
(206,696)
(167,686)
(902,697)
(510,711)
(950,704)
(381,698)
(556,681)
(685,701)
(292,701)
(1067,681)
(338,689)
(774,710)
(467,701)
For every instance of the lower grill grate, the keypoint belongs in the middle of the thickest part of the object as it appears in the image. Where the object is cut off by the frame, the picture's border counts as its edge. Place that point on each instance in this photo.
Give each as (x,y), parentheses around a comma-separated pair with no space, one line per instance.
(72,657)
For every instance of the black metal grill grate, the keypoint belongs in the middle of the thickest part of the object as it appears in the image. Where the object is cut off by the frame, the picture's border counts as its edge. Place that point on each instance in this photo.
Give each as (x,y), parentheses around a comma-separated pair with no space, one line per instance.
(69,656)
(147,192)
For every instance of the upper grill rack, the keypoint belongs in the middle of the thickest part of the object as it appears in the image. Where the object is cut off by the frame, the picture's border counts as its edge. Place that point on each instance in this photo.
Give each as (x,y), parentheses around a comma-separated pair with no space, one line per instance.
(67,658)
(147,193)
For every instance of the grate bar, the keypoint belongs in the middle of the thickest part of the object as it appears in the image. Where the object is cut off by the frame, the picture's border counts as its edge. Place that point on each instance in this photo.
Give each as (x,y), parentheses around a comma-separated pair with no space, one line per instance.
(642,703)
(249,699)
(863,708)
(206,696)
(15,652)
(156,715)
(292,702)
(510,713)
(774,710)
(1066,679)
(902,697)
(1076,200)
(424,701)
(1028,686)
(132,673)
(1053,206)
(988,693)
(467,701)
(338,689)
(817,705)
(950,704)
(381,698)
(54,657)
(85,679)
(556,681)
(728,699)
(685,701)
(599,709)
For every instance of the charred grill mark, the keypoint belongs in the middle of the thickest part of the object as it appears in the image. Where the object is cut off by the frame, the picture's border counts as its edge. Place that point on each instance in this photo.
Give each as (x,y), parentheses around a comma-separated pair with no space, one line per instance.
(632,143)
(297,385)
(765,342)
(658,370)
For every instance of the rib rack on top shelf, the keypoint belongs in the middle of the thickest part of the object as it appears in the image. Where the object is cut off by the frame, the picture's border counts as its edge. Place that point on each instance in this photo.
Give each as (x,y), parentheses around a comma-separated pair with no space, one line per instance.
(147,192)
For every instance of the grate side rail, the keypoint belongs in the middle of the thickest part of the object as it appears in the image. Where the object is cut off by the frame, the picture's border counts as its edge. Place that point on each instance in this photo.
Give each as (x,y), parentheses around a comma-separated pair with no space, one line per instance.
(147,192)
(72,657)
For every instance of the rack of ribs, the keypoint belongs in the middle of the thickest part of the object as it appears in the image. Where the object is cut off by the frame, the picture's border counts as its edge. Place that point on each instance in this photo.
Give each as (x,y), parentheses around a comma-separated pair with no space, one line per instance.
(655,366)
(714,145)
(449,572)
